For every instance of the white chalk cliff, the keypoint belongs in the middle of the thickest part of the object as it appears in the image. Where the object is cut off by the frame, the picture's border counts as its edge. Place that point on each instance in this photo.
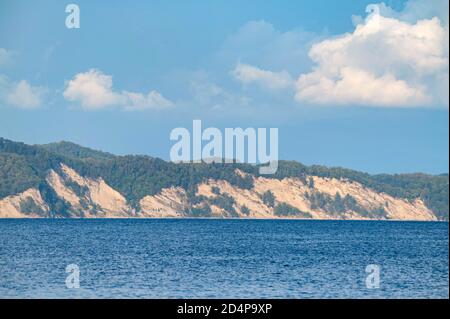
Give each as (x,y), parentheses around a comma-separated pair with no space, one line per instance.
(94,198)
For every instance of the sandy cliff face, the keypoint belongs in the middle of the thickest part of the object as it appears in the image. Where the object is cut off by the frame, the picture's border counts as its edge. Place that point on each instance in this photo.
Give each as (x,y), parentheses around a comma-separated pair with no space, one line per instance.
(369,199)
(89,197)
(24,205)
(170,202)
(250,198)
(296,193)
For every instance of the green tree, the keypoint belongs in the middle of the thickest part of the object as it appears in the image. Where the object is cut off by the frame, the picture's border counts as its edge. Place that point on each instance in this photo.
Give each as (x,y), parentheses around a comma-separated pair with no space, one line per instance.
(268,199)
(286,210)
(245,210)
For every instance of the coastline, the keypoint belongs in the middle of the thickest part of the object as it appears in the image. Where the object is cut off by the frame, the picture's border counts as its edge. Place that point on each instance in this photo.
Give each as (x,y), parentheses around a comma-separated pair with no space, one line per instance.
(224,219)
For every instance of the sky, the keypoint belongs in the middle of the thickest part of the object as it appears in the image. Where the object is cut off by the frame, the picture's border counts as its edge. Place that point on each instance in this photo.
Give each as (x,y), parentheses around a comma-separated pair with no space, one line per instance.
(349,83)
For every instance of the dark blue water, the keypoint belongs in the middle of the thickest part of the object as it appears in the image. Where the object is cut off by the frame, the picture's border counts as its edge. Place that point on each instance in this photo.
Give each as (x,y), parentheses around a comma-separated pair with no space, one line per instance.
(222,258)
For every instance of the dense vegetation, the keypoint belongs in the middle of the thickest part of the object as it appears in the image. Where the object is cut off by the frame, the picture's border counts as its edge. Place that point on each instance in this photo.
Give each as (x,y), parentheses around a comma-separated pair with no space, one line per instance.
(286,210)
(69,149)
(245,210)
(23,166)
(268,199)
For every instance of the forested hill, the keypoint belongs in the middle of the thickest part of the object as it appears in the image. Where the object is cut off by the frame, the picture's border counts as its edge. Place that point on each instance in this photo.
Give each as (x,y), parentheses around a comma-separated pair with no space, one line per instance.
(72,150)
(24,167)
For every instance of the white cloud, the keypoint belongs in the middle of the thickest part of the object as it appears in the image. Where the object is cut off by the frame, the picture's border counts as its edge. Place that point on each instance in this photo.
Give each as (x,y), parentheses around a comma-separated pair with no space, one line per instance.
(356,86)
(94,90)
(21,94)
(384,62)
(390,59)
(273,80)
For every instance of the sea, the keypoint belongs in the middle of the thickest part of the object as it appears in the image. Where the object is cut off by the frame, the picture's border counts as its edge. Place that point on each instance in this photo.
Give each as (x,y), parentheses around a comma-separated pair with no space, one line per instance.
(211,258)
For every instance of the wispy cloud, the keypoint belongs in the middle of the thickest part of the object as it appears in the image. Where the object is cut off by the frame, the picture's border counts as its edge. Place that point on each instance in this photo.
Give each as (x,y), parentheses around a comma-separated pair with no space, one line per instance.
(5,57)
(21,94)
(248,74)
(259,43)
(139,102)
(26,96)
(206,93)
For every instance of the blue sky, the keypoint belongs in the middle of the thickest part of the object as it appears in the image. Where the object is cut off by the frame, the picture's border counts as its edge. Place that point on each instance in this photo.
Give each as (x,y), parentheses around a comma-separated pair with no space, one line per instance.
(338,83)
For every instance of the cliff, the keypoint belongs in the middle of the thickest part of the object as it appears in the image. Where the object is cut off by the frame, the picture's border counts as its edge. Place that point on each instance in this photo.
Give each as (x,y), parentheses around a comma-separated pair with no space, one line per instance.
(48,181)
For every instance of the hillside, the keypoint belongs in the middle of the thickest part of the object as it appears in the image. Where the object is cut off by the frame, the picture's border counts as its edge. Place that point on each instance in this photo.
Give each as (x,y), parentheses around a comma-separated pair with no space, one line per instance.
(67,180)
(73,150)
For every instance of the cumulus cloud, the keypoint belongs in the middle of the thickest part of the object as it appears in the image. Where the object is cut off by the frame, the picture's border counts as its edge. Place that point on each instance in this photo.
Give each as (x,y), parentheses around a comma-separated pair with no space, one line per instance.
(21,94)
(273,80)
(94,90)
(356,86)
(385,62)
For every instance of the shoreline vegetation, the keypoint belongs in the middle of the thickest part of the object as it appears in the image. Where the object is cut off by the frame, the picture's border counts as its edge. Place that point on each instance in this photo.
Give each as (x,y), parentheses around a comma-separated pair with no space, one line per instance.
(65,180)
